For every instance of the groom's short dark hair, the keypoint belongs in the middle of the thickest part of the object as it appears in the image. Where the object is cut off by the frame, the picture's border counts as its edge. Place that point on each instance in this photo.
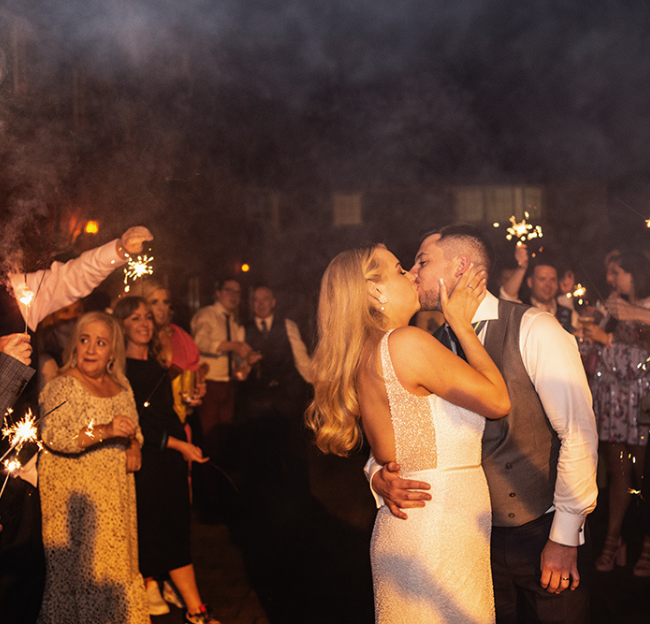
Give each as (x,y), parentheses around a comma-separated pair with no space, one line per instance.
(468,235)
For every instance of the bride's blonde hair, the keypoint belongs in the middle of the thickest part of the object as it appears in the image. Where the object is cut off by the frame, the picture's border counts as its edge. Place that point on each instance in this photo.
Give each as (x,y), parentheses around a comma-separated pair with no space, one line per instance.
(347,317)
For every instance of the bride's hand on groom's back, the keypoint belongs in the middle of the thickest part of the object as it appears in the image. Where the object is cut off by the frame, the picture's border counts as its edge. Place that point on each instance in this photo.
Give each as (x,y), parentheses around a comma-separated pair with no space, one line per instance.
(459,307)
(399,493)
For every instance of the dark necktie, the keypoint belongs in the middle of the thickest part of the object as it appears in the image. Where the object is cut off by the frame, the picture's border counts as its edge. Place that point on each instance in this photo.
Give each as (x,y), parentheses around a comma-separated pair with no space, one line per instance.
(448,338)
(228,338)
(265,327)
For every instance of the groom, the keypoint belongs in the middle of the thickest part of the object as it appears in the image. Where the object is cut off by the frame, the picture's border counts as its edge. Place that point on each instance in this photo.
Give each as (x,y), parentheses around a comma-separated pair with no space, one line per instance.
(540,461)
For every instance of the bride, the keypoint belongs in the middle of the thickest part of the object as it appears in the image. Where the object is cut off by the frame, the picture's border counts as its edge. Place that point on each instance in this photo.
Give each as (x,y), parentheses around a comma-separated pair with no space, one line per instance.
(420,405)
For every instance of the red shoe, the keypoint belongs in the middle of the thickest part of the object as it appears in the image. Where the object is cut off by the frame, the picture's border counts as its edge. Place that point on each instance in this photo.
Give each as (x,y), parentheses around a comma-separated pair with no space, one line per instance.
(204,616)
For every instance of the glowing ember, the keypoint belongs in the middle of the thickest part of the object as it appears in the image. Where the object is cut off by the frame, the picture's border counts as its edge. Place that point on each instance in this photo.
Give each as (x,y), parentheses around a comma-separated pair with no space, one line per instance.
(137,268)
(92,227)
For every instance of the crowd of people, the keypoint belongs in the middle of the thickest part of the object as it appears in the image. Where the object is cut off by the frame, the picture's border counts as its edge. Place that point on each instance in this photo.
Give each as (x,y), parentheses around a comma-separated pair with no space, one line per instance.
(484,438)
(96,528)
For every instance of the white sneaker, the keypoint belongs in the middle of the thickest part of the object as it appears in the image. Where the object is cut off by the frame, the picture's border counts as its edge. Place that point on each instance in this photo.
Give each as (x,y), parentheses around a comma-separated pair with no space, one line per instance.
(171,596)
(157,606)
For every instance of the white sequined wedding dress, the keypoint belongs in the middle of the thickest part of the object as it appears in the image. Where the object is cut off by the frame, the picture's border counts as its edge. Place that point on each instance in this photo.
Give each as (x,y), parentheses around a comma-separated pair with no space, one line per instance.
(434,566)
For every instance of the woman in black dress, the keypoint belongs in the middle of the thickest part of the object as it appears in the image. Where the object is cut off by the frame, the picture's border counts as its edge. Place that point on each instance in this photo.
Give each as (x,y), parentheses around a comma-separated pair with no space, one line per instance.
(162,490)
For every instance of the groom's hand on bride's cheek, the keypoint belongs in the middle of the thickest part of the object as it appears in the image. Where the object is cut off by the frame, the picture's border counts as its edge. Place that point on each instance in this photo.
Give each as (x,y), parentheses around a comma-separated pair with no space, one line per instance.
(399,493)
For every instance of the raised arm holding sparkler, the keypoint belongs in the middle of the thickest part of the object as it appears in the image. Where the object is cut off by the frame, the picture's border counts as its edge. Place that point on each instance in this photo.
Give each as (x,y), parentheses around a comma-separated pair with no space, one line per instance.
(42,292)
(515,279)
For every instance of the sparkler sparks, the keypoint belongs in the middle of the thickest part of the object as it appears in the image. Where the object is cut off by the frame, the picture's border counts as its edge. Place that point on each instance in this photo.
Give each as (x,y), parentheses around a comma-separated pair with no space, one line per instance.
(20,433)
(90,429)
(522,230)
(25,296)
(11,465)
(579,293)
(137,268)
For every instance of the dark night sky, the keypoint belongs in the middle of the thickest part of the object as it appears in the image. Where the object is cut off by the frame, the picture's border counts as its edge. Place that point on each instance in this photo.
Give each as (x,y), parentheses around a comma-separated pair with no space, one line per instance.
(479,88)
(327,94)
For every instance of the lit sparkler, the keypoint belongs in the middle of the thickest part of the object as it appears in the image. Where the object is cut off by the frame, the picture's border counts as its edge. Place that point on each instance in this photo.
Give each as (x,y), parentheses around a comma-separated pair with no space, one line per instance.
(579,293)
(25,296)
(136,269)
(90,429)
(522,230)
(23,431)
(10,466)
(20,433)
(647,221)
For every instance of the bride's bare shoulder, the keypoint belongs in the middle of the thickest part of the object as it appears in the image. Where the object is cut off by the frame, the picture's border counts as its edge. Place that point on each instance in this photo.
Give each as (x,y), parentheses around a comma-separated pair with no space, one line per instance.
(410,337)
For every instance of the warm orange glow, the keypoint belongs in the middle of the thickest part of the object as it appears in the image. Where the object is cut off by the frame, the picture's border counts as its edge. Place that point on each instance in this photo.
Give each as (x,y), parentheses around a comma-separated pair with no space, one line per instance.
(245,268)
(92,227)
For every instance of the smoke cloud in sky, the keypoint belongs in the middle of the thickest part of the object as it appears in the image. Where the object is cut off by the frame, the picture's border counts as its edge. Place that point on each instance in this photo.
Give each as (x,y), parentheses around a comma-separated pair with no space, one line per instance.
(543,84)
(343,92)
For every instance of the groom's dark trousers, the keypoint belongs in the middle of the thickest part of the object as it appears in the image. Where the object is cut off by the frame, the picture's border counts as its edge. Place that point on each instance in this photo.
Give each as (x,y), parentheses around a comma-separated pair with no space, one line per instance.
(519,597)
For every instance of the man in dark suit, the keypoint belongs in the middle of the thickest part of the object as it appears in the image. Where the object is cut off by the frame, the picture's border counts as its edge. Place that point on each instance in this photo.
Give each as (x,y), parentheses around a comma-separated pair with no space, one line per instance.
(540,461)
(273,398)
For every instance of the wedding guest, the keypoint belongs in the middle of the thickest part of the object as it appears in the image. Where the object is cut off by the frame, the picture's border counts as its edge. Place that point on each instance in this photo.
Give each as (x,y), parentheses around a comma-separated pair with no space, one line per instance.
(272,399)
(220,338)
(178,351)
(92,447)
(620,382)
(180,355)
(49,290)
(162,487)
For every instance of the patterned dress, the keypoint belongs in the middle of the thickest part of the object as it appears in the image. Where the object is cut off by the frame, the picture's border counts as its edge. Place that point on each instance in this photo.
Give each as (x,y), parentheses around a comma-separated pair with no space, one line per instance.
(89,513)
(434,567)
(620,382)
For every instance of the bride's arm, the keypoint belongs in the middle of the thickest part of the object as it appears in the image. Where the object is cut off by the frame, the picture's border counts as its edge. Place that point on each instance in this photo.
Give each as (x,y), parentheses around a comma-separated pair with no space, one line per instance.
(420,361)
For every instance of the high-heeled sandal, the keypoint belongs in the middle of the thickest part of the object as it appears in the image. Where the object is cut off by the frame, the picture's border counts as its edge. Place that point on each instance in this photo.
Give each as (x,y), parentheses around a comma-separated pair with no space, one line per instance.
(614,552)
(642,566)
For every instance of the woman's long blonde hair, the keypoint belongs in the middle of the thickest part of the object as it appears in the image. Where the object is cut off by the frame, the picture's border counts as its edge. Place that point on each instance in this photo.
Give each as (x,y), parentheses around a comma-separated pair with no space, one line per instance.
(347,317)
(116,368)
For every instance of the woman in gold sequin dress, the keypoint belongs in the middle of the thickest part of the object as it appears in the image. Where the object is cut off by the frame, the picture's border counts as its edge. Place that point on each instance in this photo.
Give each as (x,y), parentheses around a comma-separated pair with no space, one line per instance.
(420,405)
(92,447)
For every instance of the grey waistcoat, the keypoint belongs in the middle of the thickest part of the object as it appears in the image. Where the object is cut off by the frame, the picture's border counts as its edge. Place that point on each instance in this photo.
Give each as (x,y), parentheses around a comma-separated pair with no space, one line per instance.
(520,451)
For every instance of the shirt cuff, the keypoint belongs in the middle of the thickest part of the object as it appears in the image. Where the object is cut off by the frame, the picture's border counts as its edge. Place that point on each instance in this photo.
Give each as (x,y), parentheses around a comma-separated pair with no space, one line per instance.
(371,469)
(108,254)
(568,529)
